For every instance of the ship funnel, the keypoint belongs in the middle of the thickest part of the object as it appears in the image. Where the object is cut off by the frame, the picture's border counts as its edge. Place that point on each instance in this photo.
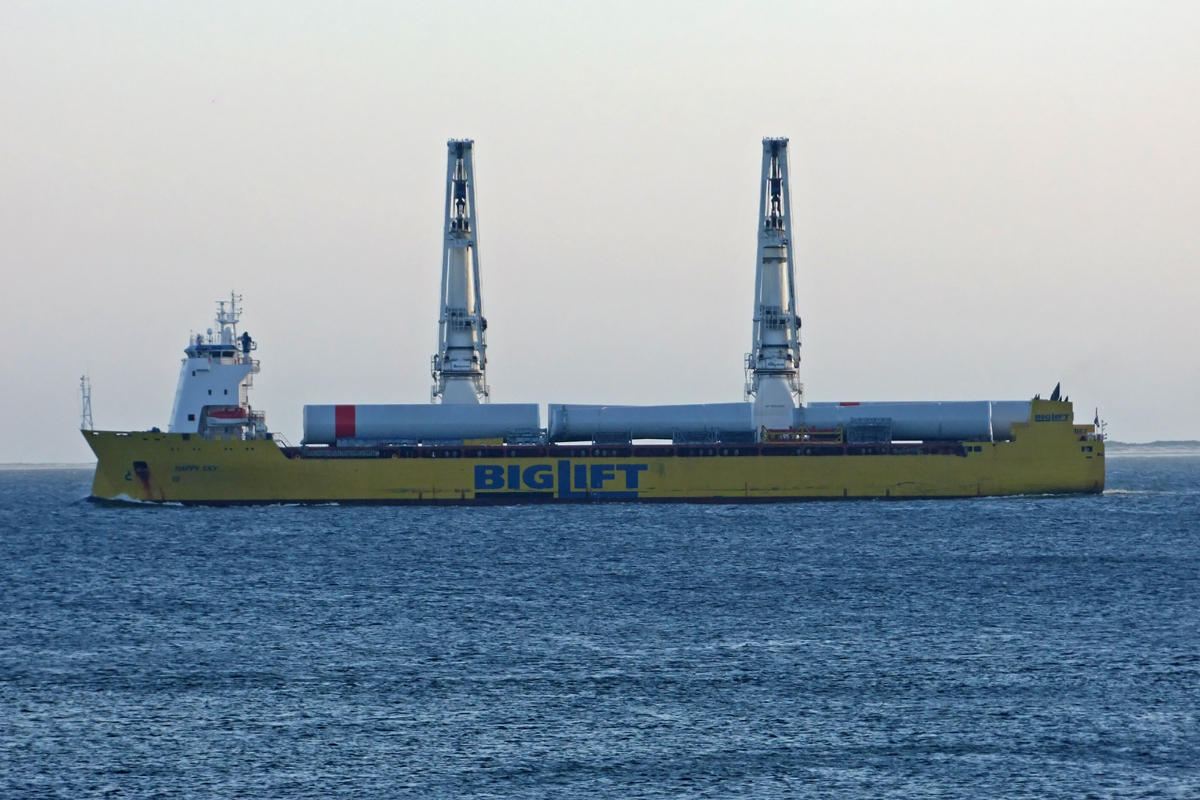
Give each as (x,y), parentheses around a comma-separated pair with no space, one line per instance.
(773,363)
(460,366)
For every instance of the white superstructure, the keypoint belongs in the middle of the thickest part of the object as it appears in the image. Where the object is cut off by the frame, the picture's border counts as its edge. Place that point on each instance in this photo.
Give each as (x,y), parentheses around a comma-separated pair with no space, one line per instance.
(773,363)
(212,398)
(460,366)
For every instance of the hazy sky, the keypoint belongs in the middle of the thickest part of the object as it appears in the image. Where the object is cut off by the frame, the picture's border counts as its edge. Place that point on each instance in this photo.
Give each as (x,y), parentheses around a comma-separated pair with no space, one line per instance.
(989,198)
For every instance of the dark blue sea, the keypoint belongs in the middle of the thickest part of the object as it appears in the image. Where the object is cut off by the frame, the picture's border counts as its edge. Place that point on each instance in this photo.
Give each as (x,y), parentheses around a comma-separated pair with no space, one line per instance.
(986,648)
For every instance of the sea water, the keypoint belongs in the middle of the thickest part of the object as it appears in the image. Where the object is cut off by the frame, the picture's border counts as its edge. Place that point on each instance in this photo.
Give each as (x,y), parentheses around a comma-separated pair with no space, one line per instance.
(1020,647)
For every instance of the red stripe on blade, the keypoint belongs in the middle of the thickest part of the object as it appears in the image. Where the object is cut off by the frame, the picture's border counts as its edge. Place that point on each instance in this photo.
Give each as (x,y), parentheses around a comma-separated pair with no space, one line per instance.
(343,422)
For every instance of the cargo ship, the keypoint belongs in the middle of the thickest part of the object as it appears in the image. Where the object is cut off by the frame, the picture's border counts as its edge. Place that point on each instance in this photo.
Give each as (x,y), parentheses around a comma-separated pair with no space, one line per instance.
(461,448)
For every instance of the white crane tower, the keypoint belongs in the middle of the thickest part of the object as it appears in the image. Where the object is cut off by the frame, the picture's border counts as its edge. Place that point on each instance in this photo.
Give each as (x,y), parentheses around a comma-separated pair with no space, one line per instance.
(773,364)
(460,366)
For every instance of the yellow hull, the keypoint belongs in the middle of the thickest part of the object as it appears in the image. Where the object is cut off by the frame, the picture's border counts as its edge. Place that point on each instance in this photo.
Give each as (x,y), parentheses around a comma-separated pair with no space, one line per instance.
(1048,455)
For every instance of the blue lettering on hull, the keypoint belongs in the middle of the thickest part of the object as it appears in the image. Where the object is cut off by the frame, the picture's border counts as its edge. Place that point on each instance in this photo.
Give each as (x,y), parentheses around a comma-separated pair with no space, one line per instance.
(595,480)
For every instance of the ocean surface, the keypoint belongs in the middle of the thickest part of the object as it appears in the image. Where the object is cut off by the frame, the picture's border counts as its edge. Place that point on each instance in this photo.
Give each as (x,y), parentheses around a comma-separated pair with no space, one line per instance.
(988,648)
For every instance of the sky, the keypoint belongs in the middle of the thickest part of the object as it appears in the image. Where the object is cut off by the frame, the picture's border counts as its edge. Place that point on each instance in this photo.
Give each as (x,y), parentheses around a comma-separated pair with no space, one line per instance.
(989,198)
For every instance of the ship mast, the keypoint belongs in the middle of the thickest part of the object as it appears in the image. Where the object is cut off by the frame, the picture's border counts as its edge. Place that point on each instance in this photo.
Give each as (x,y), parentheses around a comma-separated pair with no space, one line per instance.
(773,364)
(85,398)
(460,366)
(227,319)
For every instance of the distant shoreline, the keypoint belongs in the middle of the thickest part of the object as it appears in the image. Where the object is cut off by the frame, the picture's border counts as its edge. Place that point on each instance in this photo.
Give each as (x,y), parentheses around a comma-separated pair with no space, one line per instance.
(25,466)
(1159,448)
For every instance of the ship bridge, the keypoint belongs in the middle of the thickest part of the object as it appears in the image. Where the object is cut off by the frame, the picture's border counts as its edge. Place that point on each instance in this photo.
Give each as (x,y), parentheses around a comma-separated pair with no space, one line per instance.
(212,398)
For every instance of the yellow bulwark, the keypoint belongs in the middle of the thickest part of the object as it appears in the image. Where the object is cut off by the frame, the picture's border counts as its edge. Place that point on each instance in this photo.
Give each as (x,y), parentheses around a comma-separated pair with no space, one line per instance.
(1047,455)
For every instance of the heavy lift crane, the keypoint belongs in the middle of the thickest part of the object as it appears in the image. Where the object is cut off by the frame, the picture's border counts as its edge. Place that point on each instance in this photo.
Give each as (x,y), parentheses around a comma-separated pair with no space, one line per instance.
(459,368)
(773,363)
